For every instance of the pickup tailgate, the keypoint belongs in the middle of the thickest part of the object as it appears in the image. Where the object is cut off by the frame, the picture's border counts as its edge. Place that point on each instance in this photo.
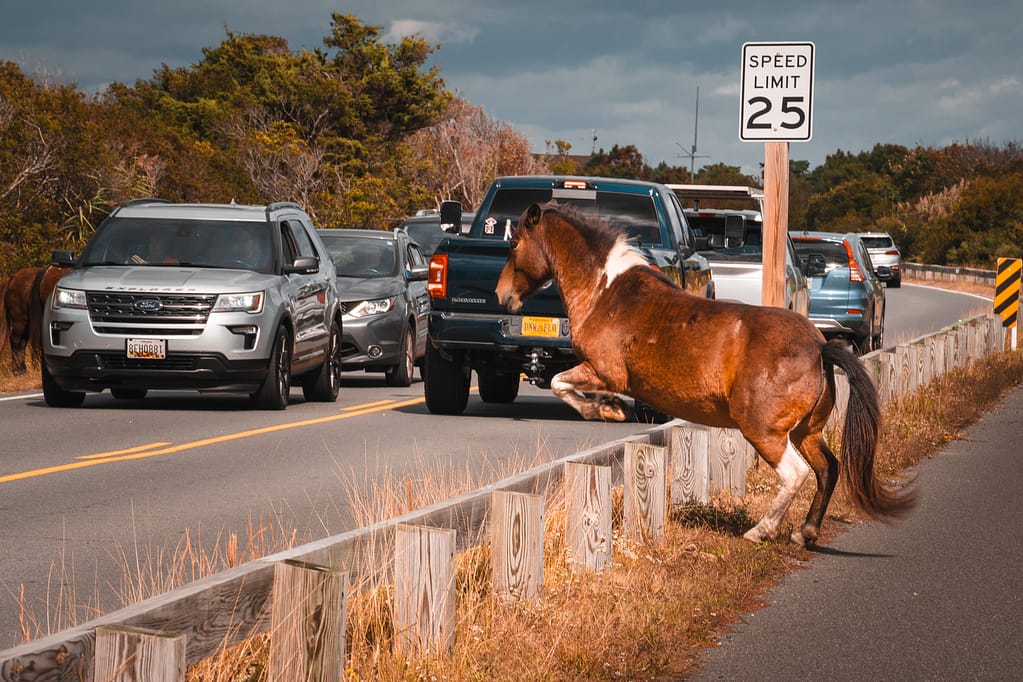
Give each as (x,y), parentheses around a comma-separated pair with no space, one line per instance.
(470,313)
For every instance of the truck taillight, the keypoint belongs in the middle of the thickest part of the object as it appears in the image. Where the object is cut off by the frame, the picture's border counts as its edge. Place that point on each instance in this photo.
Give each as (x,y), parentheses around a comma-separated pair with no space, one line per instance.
(437,282)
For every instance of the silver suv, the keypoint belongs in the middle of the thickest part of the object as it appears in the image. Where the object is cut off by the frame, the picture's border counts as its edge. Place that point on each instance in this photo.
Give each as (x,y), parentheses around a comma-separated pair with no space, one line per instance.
(210,297)
(884,252)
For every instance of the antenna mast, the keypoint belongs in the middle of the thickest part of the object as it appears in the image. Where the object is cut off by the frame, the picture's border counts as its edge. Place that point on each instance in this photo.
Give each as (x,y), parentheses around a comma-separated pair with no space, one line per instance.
(692,151)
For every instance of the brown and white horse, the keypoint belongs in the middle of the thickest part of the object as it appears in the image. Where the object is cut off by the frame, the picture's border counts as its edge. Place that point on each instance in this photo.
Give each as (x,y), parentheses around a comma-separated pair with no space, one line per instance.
(766,371)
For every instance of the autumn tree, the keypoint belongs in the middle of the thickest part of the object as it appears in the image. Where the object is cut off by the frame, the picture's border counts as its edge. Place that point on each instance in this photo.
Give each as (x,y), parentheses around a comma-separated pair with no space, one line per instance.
(458,157)
(48,156)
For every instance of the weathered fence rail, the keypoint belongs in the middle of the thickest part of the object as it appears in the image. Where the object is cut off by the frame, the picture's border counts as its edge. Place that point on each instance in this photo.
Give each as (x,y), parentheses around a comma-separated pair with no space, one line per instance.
(237,603)
(941,273)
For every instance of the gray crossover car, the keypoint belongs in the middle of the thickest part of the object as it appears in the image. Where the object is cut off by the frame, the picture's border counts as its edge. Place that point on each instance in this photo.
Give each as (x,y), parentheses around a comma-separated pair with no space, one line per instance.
(382,285)
(210,297)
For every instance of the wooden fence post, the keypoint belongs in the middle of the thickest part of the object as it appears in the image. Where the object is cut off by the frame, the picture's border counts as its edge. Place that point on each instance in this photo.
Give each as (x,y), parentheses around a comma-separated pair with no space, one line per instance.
(588,516)
(727,457)
(690,479)
(307,622)
(517,545)
(645,490)
(133,655)
(424,588)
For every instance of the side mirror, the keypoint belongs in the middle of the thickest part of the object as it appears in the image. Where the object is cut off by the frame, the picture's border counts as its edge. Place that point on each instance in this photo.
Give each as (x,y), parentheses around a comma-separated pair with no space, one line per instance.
(451,216)
(417,274)
(303,265)
(735,230)
(62,259)
(814,265)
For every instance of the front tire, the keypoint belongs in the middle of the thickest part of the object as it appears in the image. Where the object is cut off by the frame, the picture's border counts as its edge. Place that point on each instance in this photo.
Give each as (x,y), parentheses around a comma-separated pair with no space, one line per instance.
(273,394)
(445,382)
(54,395)
(402,373)
(325,385)
(499,387)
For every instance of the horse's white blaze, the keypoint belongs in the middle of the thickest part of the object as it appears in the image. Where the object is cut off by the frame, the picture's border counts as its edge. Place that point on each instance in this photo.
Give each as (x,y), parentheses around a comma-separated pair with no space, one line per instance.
(620,258)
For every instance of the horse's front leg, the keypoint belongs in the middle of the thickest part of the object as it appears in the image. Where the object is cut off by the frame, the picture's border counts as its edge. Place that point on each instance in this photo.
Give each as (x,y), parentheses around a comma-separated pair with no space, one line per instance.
(588,394)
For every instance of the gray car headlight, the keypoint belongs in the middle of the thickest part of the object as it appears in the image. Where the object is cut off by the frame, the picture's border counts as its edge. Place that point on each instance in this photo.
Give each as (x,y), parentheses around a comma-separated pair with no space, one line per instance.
(251,302)
(375,307)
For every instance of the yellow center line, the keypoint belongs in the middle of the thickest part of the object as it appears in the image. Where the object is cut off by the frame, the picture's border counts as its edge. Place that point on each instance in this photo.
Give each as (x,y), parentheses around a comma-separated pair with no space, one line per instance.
(144,451)
(367,405)
(114,453)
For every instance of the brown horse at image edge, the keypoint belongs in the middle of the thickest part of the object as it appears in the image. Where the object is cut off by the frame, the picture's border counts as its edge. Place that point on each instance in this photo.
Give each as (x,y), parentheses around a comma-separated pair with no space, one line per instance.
(766,371)
(21,310)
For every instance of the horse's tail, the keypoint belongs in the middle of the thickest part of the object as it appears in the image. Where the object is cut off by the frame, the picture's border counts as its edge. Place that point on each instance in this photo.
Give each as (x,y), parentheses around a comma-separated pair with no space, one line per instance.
(859,440)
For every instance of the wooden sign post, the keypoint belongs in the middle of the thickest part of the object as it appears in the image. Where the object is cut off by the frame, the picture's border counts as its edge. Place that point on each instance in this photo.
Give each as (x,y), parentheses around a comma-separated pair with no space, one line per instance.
(776,108)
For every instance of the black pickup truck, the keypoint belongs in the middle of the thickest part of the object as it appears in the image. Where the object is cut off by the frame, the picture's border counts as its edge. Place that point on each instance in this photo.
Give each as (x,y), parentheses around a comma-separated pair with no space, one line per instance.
(470,330)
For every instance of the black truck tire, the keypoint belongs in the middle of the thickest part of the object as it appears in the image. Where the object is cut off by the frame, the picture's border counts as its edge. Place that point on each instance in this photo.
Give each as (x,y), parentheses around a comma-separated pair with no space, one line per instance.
(445,382)
(499,387)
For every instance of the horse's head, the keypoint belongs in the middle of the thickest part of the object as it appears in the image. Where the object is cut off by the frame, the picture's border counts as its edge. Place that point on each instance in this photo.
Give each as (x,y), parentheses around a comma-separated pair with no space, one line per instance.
(527,268)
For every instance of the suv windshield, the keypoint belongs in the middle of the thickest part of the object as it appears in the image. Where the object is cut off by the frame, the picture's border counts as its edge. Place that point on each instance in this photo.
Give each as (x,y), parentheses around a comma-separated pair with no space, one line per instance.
(193,243)
(634,213)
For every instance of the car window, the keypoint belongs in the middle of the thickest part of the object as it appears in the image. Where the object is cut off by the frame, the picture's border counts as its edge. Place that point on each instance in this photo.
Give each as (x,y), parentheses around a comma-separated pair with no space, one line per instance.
(415,257)
(362,257)
(303,244)
(835,255)
(167,241)
(878,242)
(749,249)
(636,214)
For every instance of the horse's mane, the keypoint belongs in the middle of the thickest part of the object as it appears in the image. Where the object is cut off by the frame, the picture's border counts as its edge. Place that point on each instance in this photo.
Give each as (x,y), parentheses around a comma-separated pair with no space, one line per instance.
(597,232)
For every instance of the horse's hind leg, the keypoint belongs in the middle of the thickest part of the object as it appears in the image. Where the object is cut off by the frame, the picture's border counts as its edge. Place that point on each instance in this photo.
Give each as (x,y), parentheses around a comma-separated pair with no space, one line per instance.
(825,468)
(792,471)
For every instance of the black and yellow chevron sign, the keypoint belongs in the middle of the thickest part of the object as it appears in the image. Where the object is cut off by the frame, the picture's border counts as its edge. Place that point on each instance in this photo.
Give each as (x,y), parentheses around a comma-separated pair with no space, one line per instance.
(1007,290)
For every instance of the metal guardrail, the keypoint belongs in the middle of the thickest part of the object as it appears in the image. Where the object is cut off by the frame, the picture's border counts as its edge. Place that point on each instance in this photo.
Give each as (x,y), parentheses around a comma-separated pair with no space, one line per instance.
(950,274)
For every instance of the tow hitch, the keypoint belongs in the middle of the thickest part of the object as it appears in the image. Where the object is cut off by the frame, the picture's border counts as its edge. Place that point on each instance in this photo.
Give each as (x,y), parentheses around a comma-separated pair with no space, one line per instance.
(534,367)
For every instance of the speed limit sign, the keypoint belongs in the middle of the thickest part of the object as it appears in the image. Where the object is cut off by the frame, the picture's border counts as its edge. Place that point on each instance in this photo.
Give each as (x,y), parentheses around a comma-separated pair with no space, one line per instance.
(777,92)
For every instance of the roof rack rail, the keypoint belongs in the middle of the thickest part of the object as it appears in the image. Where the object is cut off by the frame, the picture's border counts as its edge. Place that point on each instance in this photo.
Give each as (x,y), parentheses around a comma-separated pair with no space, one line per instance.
(145,200)
(282,204)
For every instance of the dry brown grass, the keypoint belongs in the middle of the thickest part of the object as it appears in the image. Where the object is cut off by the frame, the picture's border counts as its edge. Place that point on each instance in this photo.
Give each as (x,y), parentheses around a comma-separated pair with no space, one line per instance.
(10,382)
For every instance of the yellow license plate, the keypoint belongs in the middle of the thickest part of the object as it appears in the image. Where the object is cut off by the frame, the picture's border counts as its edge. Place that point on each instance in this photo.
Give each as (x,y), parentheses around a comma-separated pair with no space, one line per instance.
(547,327)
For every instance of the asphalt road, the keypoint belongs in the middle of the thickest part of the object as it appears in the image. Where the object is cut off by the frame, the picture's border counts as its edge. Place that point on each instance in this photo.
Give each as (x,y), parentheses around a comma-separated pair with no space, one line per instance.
(937,597)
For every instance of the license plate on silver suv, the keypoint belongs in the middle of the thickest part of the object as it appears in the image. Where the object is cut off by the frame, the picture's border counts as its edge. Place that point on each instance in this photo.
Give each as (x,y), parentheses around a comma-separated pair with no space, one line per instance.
(147,349)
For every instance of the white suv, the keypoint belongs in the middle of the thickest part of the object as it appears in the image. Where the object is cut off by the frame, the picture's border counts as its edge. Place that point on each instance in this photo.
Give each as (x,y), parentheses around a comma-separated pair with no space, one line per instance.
(210,297)
(883,251)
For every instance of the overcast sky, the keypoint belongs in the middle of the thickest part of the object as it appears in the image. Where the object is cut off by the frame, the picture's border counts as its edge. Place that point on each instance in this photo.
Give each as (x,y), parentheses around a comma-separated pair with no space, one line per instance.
(922,72)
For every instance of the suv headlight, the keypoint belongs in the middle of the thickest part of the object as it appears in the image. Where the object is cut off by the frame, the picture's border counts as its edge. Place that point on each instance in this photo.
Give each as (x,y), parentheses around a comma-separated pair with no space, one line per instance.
(374,307)
(69,298)
(251,302)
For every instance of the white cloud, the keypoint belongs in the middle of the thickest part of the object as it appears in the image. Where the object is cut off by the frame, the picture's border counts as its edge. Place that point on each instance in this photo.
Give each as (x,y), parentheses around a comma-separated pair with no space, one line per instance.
(433,31)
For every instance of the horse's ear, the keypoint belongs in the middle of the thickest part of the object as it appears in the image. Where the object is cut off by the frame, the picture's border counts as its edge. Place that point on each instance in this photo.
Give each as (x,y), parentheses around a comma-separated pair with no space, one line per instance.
(532,216)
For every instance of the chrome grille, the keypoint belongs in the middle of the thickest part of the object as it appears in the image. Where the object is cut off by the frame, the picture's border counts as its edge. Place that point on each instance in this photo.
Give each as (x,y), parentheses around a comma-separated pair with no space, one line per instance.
(166,314)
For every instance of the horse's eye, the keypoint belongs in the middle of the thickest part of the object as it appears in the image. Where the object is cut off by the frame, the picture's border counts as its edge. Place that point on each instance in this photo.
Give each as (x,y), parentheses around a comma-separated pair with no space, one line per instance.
(513,244)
